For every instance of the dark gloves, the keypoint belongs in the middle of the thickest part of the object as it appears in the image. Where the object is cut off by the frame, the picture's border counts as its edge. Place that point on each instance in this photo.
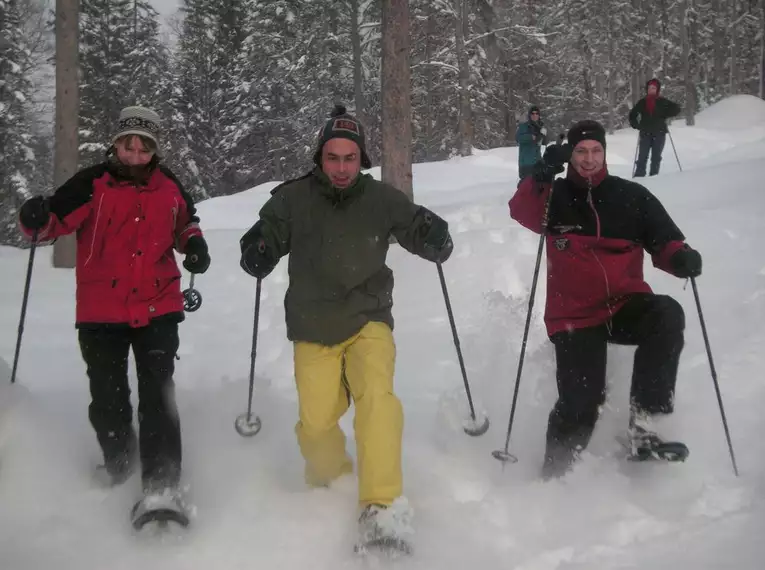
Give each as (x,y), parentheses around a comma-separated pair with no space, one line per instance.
(436,239)
(555,158)
(539,130)
(35,213)
(686,263)
(256,259)
(197,258)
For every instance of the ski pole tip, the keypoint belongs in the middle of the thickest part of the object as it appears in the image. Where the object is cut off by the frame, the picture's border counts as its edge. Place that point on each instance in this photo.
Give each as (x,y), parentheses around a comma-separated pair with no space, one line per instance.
(504,456)
(476,427)
(246,425)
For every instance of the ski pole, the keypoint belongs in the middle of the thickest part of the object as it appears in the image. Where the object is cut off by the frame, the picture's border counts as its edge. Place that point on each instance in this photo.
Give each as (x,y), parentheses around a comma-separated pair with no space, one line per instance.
(192,298)
(24,301)
(714,375)
(504,455)
(474,429)
(245,425)
(674,149)
(634,162)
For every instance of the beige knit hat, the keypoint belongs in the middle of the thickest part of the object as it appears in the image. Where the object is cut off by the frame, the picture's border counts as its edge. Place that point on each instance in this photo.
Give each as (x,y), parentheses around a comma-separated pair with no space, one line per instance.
(138,121)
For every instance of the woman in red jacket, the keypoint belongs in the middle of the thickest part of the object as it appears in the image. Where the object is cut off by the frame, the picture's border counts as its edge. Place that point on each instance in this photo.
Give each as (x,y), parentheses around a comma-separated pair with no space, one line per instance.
(598,227)
(129,213)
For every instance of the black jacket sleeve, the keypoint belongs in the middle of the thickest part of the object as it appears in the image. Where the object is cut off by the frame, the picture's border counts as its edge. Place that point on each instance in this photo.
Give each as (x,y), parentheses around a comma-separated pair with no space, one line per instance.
(635,112)
(658,228)
(75,192)
(670,108)
(190,207)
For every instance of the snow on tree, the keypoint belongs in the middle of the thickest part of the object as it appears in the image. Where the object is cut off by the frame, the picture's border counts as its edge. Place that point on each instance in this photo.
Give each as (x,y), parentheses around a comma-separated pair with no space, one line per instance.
(17,158)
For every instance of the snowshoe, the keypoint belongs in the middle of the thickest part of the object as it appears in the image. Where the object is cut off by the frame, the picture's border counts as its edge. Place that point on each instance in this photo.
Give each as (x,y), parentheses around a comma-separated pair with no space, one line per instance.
(161,508)
(116,473)
(644,445)
(110,478)
(559,460)
(377,532)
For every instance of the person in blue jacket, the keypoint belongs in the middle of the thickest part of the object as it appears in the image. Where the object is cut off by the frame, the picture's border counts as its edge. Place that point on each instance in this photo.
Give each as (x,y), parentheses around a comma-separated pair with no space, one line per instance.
(530,136)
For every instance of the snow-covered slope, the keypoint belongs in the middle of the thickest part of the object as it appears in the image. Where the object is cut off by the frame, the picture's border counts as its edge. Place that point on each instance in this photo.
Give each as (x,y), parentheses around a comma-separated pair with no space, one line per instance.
(252,509)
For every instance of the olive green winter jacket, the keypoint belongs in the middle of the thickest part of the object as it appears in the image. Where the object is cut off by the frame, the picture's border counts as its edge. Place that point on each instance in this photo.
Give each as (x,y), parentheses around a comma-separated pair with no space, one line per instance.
(338,241)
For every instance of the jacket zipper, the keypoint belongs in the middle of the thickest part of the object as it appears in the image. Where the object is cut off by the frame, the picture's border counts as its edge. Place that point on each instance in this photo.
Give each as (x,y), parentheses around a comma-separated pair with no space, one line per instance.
(95,231)
(609,324)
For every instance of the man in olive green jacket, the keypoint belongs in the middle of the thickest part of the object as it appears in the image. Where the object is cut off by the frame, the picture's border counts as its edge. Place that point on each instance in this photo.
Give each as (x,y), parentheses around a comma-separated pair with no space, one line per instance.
(335,223)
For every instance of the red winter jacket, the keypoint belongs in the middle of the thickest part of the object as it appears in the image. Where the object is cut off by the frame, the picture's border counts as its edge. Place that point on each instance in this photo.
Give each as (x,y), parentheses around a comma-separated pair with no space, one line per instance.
(126,269)
(595,242)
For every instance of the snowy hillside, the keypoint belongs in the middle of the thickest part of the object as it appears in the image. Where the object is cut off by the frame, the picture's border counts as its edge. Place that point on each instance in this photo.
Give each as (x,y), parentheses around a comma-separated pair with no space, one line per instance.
(252,509)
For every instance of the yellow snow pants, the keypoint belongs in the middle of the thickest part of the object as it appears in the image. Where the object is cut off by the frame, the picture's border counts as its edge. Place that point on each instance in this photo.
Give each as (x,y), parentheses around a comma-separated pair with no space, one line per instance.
(327,378)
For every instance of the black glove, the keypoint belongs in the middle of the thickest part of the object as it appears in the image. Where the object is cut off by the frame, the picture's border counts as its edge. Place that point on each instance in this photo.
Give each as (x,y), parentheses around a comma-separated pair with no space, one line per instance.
(197,258)
(436,239)
(686,263)
(256,259)
(35,213)
(553,162)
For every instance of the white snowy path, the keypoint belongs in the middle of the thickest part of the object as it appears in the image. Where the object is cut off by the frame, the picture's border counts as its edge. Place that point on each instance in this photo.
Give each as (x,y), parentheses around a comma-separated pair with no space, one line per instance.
(252,509)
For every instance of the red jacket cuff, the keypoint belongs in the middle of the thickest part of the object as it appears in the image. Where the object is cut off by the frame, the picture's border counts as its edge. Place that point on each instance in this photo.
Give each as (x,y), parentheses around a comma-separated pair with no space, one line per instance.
(42,234)
(662,259)
(187,233)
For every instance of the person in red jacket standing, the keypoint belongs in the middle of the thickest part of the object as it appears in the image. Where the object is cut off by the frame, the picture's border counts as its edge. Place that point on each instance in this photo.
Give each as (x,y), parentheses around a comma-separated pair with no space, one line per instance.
(650,116)
(129,213)
(597,229)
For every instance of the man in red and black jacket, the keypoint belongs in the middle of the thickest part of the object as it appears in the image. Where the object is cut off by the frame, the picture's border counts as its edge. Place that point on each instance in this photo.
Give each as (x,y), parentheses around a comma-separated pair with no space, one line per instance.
(597,229)
(129,214)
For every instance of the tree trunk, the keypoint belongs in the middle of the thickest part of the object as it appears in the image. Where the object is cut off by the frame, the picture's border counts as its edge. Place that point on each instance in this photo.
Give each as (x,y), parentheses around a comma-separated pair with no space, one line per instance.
(396,86)
(358,70)
(67,112)
(718,50)
(762,49)
(611,80)
(733,77)
(277,134)
(430,31)
(690,88)
(664,34)
(465,119)
(509,115)
(587,73)
(653,46)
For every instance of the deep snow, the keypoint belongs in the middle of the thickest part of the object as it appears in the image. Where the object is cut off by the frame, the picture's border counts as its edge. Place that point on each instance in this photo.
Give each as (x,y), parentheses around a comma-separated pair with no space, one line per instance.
(252,509)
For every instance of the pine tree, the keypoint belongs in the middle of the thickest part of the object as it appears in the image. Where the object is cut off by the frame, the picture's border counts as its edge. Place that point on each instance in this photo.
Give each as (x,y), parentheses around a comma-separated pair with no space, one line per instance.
(17,159)
(105,47)
(206,76)
(147,62)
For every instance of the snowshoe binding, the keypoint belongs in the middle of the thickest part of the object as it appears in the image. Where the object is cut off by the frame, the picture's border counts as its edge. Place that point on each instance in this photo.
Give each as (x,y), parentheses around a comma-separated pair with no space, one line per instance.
(161,508)
(644,445)
(378,533)
(115,472)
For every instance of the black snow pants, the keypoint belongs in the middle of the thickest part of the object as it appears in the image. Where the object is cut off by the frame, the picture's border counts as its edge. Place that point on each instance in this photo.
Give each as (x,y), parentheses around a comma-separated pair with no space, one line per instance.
(106,351)
(653,143)
(655,323)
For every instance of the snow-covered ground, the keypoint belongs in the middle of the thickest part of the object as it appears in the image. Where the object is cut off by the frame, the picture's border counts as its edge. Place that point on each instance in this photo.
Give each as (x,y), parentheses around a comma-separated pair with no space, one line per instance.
(252,509)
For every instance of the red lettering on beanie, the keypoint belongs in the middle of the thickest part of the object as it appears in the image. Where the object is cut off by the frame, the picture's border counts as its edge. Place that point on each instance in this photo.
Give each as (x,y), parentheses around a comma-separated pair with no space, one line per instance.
(345,125)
